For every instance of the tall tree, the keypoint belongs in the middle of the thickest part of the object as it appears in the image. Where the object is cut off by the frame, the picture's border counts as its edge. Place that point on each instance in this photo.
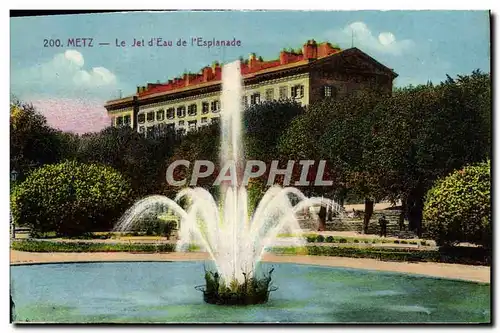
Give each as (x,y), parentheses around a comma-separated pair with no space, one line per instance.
(425,132)
(32,142)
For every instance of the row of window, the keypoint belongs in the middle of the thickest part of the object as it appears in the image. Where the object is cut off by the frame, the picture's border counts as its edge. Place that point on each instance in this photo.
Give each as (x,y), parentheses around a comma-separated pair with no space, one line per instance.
(296,92)
(191,125)
(192,110)
(123,120)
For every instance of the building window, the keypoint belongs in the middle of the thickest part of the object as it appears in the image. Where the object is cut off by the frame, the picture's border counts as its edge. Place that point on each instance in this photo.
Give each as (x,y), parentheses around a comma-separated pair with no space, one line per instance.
(215,106)
(181,131)
(181,122)
(269,94)
(192,125)
(181,111)
(150,116)
(160,115)
(149,131)
(192,110)
(126,120)
(141,129)
(255,99)
(170,127)
(141,118)
(283,92)
(205,107)
(328,91)
(119,121)
(170,113)
(298,91)
(215,120)
(204,120)
(244,101)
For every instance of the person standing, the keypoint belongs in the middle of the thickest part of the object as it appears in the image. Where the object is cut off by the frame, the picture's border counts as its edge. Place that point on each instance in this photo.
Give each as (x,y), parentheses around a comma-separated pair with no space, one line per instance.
(383,226)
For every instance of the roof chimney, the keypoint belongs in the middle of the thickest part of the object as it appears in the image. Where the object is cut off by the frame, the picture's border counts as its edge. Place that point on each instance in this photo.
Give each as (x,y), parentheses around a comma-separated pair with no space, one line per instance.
(283,57)
(310,50)
(207,74)
(252,61)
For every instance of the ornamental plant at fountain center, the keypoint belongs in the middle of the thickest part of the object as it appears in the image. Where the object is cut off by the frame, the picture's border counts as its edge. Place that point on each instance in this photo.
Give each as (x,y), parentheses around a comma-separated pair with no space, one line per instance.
(234,238)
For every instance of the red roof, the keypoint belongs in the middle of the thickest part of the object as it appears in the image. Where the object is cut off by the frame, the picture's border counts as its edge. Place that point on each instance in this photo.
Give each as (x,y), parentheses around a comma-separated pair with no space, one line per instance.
(252,66)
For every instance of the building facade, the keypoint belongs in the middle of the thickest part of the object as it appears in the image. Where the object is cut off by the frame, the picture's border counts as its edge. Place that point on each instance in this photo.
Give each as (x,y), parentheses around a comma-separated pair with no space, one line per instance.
(317,71)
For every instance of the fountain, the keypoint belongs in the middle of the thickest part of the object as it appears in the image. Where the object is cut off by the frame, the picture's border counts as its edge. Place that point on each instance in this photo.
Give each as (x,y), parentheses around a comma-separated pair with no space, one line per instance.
(162,292)
(234,239)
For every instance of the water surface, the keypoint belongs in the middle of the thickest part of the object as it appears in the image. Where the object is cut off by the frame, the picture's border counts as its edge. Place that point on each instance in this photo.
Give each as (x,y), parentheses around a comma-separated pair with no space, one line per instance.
(147,292)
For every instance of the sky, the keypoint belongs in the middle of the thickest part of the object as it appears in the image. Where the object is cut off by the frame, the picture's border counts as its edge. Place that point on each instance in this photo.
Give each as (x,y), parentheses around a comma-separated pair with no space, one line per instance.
(69,84)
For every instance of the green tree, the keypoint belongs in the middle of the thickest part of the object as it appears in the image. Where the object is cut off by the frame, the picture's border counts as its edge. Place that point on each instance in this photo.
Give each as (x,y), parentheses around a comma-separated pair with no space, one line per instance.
(70,198)
(425,132)
(141,159)
(263,125)
(338,130)
(32,142)
(458,207)
(202,144)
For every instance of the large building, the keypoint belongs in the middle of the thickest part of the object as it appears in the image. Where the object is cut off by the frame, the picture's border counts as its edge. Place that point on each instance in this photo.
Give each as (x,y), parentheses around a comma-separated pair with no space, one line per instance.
(318,70)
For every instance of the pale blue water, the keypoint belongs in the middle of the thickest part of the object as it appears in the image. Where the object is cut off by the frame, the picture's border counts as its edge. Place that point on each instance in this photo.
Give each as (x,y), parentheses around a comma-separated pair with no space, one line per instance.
(164,292)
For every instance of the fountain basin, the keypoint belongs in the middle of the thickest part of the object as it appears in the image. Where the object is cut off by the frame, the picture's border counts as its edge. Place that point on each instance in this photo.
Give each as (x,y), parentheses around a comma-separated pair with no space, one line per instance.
(154,292)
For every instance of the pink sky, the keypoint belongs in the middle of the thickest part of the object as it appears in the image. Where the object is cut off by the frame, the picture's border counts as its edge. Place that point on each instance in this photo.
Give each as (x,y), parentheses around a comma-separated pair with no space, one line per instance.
(73,115)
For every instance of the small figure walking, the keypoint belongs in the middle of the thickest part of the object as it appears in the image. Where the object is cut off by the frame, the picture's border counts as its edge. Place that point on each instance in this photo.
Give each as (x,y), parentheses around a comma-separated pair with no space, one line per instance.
(383,226)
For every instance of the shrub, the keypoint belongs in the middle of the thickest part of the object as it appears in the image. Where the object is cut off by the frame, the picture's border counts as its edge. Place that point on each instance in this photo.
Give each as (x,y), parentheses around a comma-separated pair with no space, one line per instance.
(320,239)
(311,239)
(403,242)
(342,240)
(50,246)
(423,243)
(458,207)
(329,239)
(459,255)
(70,198)
(255,191)
(356,241)
(254,290)
(396,241)
(153,224)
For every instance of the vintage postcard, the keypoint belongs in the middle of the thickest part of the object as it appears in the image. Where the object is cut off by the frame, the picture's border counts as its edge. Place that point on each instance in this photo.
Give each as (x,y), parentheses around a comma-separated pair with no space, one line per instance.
(250,167)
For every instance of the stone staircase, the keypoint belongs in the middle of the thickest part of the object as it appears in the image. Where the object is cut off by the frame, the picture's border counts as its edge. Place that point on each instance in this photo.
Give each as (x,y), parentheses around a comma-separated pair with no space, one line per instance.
(356,224)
